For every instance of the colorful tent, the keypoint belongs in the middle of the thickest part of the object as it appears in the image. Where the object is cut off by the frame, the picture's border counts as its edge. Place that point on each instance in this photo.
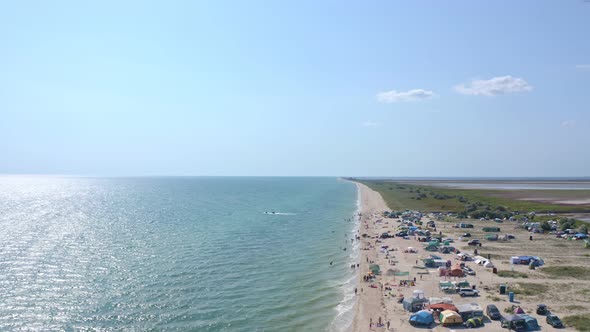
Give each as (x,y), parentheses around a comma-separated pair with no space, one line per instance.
(375,269)
(422,318)
(449,317)
(443,307)
(474,322)
(456,271)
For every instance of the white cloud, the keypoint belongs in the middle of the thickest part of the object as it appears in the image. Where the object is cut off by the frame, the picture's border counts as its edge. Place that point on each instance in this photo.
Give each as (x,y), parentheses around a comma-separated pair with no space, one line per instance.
(494,86)
(568,124)
(583,67)
(394,96)
(370,123)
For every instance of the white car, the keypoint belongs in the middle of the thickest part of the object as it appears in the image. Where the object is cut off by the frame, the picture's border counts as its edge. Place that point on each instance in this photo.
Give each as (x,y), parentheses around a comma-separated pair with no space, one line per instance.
(468,292)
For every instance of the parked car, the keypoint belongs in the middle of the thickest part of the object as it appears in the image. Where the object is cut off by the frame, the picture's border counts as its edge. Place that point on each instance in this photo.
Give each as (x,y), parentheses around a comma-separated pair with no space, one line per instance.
(468,292)
(474,242)
(493,312)
(467,235)
(468,270)
(554,321)
(450,240)
(402,234)
(541,309)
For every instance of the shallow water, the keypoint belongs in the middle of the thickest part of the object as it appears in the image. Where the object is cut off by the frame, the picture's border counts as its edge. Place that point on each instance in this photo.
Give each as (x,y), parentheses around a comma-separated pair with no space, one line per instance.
(165,254)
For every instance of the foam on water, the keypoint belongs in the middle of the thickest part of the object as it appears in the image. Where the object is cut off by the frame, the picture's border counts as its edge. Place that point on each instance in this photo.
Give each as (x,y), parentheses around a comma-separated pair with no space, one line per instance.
(345,310)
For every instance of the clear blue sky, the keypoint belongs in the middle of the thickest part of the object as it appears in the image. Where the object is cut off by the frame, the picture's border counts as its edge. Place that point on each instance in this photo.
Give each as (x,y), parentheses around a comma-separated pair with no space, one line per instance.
(360,88)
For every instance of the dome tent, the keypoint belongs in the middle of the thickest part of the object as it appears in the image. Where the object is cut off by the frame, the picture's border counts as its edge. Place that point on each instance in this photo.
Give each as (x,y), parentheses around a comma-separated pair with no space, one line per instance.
(423,318)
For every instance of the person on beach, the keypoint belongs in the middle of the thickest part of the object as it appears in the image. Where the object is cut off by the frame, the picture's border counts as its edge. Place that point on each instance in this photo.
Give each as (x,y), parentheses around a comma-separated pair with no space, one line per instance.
(371,323)
(355,291)
(388,325)
(380,321)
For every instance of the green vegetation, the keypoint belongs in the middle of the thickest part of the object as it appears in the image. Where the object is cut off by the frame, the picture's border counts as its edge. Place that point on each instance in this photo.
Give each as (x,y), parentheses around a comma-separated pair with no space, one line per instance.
(578,272)
(477,203)
(512,274)
(493,256)
(545,226)
(574,307)
(530,289)
(495,298)
(579,322)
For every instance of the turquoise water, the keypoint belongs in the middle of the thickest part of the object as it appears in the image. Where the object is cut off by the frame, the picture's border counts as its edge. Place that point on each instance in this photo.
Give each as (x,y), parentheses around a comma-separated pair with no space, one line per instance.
(175,254)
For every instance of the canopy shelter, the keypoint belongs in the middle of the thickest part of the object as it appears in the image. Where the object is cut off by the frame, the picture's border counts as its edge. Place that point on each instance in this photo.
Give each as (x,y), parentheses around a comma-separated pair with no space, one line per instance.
(463,284)
(414,304)
(422,318)
(449,317)
(446,286)
(418,294)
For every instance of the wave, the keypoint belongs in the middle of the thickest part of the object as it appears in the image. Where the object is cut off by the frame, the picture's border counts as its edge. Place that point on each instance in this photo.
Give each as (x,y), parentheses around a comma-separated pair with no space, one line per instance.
(345,309)
(280,213)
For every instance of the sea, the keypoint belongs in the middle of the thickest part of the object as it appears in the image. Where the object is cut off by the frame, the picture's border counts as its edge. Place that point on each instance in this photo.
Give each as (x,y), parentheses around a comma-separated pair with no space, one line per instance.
(177,253)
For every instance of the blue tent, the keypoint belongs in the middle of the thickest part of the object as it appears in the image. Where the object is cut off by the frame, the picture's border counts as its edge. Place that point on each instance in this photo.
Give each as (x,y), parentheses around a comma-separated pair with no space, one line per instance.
(581,236)
(423,317)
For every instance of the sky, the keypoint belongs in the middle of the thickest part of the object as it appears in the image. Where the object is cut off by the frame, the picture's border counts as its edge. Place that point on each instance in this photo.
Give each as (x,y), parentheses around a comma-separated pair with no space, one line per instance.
(295,88)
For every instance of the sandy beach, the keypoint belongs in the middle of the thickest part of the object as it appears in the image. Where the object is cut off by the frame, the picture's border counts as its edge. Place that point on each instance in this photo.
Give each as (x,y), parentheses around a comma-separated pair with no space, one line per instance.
(378,299)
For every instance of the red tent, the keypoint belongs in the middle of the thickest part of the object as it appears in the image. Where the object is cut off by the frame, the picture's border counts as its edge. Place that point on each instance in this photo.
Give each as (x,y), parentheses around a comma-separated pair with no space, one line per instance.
(456,271)
(443,307)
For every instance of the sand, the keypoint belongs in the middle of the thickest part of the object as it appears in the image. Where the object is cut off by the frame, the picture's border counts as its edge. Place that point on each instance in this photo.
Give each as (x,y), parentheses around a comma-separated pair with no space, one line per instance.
(373,303)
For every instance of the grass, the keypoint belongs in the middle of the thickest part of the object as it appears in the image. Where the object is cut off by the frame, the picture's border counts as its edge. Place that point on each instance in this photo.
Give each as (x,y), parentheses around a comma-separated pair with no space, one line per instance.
(496,256)
(401,196)
(530,289)
(512,274)
(579,322)
(578,272)
(495,298)
(574,307)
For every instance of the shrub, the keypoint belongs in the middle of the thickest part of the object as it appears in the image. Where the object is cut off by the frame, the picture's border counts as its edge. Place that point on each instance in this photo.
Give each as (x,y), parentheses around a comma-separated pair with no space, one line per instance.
(545,226)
